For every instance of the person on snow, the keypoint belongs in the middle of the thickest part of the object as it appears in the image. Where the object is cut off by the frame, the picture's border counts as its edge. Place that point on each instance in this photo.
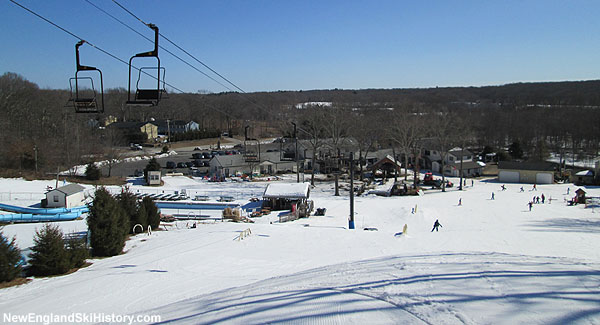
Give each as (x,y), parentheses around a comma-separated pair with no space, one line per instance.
(537,200)
(503,187)
(436,225)
(534,187)
(530,205)
(543,198)
(492,195)
(460,201)
(521,190)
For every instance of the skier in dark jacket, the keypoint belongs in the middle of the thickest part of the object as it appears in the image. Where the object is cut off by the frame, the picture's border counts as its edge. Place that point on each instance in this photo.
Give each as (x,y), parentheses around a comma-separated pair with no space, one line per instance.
(436,224)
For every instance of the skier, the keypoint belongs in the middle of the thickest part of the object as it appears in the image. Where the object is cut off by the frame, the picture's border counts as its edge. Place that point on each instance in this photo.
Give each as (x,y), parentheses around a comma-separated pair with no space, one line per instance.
(530,205)
(568,190)
(522,190)
(534,187)
(503,187)
(460,201)
(436,224)
(543,198)
(492,195)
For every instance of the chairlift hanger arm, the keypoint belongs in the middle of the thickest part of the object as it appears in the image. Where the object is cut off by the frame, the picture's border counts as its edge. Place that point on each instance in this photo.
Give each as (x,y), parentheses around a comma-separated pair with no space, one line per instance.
(153,53)
(79,66)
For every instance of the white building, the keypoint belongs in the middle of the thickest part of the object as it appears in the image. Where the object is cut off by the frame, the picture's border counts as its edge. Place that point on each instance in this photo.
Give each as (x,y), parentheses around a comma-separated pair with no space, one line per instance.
(68,196)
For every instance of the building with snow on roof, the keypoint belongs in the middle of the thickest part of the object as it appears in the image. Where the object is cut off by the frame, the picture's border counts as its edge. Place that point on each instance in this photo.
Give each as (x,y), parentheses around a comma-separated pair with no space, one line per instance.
(68,196)
(288,196)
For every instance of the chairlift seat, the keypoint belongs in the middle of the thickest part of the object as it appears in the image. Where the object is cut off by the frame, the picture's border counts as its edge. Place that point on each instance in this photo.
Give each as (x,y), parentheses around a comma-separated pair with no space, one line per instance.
(148,94)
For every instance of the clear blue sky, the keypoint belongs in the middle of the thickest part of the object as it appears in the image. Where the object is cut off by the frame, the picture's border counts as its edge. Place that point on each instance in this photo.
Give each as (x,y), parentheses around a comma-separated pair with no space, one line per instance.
(305,44)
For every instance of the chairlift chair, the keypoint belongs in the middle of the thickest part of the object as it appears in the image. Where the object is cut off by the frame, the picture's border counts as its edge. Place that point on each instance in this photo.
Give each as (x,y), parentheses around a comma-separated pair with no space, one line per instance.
(85,101)
(288,153)
(251,155)
(147,97)
(287,149)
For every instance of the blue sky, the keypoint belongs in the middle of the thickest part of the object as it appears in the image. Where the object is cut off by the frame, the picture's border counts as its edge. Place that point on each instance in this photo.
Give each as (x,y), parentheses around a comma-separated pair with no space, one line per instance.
(292,45)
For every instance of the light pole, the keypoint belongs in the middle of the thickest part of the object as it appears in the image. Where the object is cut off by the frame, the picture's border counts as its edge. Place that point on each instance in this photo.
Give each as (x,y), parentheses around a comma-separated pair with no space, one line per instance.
(296,154)
(351,220)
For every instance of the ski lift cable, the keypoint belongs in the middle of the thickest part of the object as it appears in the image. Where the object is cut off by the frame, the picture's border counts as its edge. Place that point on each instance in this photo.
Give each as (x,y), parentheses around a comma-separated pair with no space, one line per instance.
(152,41)
(106,52)
(197,60)
(89,43)
(181,49)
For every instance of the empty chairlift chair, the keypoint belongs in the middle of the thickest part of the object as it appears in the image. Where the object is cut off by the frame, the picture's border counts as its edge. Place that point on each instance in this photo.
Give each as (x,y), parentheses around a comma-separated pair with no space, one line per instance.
(83,94)
(251,148)
(147,96)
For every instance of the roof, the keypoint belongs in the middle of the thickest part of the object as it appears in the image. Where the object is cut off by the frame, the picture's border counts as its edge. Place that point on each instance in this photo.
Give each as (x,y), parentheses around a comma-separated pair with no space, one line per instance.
(387,160)
(70,189)
(127,125)
(287,190)
(466,165)
(585,173)
(515,165)
(457,152)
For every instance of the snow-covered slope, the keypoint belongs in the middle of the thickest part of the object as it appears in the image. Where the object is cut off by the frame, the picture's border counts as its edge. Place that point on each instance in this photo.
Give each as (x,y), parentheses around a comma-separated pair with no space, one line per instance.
(493,261)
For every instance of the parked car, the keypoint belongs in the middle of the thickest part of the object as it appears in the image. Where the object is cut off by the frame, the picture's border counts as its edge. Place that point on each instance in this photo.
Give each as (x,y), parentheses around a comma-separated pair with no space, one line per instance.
(171,164)
(197,155)
(181,165)
(189,164)
(135,146)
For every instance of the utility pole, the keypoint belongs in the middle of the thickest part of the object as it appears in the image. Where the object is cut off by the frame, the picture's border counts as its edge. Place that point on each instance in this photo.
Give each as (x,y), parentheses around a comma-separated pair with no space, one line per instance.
(351,221)
(462,150)
(35,150)
(168,132)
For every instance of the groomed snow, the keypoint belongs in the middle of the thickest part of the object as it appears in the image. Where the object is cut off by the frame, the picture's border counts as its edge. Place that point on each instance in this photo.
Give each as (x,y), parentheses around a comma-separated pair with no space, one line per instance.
(493,261)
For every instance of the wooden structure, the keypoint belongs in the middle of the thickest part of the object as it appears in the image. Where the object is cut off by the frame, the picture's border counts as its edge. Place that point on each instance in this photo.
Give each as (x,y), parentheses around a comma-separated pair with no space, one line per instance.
(289,196)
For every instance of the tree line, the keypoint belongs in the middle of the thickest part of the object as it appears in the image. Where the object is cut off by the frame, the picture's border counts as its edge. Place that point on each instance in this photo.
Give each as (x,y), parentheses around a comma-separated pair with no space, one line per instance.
(42,134)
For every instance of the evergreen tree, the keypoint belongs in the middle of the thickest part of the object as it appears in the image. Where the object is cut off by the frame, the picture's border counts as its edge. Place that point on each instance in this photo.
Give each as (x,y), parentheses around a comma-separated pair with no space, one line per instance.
(515,150)
(78,252)
(107,223)
(49,255)
(10,259)
(142,217)
(153,217)
(128,203)
(152,165)
(92,172)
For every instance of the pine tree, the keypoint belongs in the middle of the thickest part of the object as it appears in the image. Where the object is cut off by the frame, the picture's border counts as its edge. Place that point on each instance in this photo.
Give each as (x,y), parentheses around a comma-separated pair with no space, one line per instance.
(129,204)
(49,255)
(152,165)
(10,259)
(78,252)
(153,217)
(92,172)
(108,225)
(142,217)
